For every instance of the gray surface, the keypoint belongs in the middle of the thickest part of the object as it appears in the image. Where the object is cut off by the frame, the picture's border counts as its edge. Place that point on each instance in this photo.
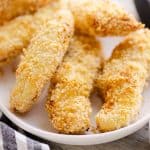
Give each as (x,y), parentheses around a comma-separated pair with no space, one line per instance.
(136,141)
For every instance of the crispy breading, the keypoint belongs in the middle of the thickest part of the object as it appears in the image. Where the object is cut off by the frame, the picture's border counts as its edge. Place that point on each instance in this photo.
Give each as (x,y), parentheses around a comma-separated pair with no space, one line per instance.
(84,23)
(16,35)
(13,8)
(102,17)
(68,104)
(41,58)
(122,81)
(47,12)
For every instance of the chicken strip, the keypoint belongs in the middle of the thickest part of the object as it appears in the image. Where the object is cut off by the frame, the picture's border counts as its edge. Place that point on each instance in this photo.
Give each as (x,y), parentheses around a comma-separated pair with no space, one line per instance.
(122,81)
(119,25)
(13,8)
(41,59)
(101,17)
(16,35)
(68,104)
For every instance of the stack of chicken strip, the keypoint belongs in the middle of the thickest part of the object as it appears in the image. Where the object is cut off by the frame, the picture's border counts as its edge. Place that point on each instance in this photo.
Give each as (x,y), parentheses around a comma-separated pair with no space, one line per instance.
(51,53)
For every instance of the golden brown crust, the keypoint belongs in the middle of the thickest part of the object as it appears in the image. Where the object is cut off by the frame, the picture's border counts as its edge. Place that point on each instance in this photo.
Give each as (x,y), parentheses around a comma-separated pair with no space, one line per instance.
(68,106)
(102,17)
(41,58)
(122,80)
(13,8)
(10,49)
(16,35)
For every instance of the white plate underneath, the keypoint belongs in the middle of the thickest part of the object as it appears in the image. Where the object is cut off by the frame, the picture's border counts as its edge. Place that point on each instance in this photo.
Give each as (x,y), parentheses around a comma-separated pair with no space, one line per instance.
(36,121)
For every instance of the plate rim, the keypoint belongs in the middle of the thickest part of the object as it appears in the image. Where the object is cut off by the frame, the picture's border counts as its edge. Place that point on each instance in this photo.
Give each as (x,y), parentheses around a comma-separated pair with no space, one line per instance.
(120,133)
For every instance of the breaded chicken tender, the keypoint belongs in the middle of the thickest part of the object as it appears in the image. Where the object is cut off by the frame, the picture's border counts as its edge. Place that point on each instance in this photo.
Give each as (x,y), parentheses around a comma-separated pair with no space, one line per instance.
(102,17)
(13,8)
(41,58)
(16,35)
(91,17)
(68,104)
(122,81)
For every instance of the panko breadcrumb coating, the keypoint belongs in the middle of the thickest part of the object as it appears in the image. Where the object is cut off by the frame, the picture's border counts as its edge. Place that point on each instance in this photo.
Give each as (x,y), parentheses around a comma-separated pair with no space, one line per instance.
(41,59)
(13,8)
(122,81)
(47,12)
(68,104)
(16,35)
(102,17)
(86,20)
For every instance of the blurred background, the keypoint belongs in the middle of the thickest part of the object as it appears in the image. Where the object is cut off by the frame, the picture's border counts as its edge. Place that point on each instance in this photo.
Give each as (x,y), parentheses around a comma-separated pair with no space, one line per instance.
(139,8)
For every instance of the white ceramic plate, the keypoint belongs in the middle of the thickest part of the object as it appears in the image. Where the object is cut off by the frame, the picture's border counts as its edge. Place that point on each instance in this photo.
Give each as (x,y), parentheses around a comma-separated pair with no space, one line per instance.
(36,121)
